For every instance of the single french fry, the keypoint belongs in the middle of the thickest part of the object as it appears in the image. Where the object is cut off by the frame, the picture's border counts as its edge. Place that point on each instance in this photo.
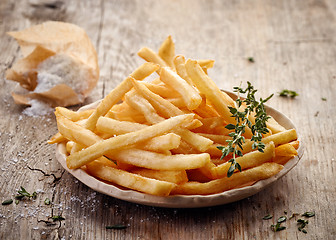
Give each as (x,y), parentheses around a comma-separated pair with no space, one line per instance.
(221,139)
(162,90)
(284,153)
(167,51)
(74,116)
(158,161)
(68,146)
(238,179)
(173,176)
(295,144)
(205,85)
(57,138)
(162,144)
(206,63)
(188,93)
(130,180)
(144,70)
(278,139)
(98,149)
(196,141)
(116,127)
(181,70)
(249,160)
(150,56)
(274,126)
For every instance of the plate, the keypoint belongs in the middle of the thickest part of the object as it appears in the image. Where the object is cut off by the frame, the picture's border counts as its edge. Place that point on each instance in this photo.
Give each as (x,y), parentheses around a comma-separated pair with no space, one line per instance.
(182,201)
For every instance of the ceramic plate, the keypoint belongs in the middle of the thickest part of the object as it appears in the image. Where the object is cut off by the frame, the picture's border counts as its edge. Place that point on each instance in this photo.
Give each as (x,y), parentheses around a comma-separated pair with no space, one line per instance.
(182,201)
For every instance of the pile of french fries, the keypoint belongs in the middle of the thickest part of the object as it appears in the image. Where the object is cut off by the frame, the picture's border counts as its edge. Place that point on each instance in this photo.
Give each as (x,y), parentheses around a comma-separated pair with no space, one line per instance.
(160,137)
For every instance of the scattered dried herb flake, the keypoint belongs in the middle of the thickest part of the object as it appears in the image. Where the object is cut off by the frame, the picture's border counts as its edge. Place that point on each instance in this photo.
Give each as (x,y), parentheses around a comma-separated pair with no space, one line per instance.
(7,202)
(268,216)
(116,226)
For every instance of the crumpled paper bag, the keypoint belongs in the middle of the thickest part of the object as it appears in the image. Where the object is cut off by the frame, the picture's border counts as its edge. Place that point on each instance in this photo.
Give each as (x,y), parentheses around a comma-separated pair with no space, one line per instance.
(59,64)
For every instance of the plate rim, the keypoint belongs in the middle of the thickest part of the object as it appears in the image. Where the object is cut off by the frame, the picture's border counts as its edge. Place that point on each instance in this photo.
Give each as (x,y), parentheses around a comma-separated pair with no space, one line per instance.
(180,201)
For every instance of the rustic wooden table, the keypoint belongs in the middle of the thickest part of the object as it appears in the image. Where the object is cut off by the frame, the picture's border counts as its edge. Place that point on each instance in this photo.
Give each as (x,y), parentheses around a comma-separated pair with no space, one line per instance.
(293,45)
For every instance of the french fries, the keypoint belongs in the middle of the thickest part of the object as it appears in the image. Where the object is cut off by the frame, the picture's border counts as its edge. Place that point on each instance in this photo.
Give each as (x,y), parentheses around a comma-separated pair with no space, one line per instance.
(162,137)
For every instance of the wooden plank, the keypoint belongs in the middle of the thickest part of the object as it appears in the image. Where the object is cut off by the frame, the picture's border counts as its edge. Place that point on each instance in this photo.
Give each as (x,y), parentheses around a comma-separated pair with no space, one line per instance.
(293,44)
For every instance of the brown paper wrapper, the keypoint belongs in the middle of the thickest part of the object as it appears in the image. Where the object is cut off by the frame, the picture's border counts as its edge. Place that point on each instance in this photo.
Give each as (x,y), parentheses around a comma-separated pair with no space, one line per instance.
(61,40)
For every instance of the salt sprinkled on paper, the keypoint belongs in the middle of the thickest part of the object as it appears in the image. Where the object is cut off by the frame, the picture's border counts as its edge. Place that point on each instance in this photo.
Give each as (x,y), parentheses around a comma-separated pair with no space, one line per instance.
(37,108)
(61,69)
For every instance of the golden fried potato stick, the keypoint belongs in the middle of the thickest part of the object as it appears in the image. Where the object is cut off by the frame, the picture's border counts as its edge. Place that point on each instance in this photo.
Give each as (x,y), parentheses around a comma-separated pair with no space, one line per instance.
(74,116)
(251,159)
(162,90)
(278,139)
(205,85)
(206,63)
(284,153)
(98,149)
(189,94)
(173,176)
(158,161)
(167,51)
(57,138)
(221,139)
(238,179)
(144,70)
(150,56)
(116,127)
(274,126)
(162,144)
(130,180)
(181,70)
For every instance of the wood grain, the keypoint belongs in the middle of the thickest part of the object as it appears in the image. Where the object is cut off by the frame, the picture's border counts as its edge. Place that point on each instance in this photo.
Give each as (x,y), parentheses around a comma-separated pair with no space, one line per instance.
(293,44)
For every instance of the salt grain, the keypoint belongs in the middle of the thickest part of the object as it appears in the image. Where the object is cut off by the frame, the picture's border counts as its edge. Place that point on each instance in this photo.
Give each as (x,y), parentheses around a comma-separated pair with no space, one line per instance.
(37,108)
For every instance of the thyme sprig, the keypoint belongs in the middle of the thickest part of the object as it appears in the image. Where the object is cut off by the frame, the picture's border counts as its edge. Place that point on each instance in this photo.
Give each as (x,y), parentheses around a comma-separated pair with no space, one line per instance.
(22,193)
(242,121)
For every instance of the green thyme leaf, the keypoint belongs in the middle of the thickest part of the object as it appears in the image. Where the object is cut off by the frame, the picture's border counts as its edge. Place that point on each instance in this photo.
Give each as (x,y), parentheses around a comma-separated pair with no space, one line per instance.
(22,193)
(282,219)
(288,93)
(308,214)
(47,201)
(268,216)
(324,99)
(250,59)
(7,202)
(277,227)
(116,226)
